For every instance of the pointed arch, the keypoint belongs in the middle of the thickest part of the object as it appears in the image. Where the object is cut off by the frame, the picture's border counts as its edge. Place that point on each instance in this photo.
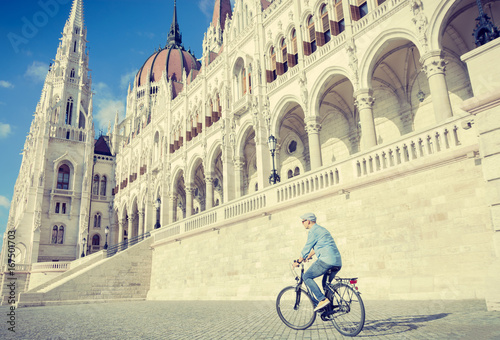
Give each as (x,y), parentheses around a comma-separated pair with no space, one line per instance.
(377,47)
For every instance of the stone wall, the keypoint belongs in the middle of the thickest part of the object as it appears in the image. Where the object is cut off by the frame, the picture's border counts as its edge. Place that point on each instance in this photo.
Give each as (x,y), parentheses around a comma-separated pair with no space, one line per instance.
(421,232)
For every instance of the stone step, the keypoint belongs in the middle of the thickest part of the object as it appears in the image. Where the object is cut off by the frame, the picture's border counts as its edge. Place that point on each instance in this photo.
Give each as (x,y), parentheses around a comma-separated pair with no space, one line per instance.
(125,276)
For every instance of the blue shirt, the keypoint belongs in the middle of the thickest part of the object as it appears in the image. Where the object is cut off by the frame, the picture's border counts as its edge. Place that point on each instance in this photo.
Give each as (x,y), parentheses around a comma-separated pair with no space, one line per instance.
(324,246)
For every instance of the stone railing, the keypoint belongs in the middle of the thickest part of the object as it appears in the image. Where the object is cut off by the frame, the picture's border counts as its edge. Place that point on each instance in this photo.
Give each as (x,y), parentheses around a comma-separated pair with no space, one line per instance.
(375,14)
(19,267)
(50,267)
(308,183)
(62,192)
(336,178)
(413,147)
(245,205)
(69,133)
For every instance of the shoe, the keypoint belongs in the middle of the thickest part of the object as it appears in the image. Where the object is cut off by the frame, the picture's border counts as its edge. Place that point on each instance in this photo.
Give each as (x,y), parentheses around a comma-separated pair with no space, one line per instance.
(322,304)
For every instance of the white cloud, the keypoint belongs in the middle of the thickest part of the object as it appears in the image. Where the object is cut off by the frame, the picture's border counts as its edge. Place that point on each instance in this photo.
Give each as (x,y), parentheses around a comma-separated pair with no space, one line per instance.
(37,71)
(106,105)
(4,202)
(127,79)
(5,130)
(5,84)
(207,7)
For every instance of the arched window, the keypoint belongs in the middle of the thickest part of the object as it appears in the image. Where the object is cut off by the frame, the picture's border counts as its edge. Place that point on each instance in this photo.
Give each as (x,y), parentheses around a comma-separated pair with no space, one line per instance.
(54,234)
(249,76)
(81,121)
(157,146)
(95,185)
(296,172)
(96,242)
(97,220)
(339,25)
(63,177)
(69,110)
(284,55)
(293,55)
(290,174)
(271,73)
(327,36)
(310,47)
(57,235)
(72,73)
(60,235)
(74,47)
(244,80)
(103,186)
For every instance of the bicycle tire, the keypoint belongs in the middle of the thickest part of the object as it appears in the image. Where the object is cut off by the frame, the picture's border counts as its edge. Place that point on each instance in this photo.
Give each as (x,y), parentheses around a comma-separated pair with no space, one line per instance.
(349,310)
(296,311)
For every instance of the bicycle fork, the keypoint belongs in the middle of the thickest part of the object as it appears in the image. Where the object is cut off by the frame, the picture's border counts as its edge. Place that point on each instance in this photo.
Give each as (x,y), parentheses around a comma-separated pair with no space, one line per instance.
(297,297)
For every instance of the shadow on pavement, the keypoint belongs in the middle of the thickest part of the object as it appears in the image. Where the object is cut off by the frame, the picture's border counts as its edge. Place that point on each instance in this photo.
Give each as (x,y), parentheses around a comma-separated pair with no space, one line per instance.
(397,325)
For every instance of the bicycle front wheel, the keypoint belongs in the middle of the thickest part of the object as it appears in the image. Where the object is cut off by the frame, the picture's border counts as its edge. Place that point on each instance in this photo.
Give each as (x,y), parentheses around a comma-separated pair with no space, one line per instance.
(295,308)
(348,310)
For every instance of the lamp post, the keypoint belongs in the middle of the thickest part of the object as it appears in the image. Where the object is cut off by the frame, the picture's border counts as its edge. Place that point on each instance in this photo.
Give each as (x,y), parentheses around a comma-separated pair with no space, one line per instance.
(274,178)
(83,247)
(106,231)
(485,31)
(157,206)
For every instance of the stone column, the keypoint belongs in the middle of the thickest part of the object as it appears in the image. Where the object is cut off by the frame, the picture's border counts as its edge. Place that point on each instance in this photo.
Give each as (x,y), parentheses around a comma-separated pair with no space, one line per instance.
(434,66)
(313,128)
(189,201)
(141,222)
(172,206)
(130,225)
(238,177)
(121,224)
(209,183)
(364,102)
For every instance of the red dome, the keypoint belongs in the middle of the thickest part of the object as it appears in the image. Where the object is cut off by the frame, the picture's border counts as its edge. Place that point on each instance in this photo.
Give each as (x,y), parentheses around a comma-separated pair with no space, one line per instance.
(172,59)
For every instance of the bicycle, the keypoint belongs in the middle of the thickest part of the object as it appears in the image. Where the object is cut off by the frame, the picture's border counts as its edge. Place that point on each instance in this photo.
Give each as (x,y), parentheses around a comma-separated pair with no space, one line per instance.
(346,310)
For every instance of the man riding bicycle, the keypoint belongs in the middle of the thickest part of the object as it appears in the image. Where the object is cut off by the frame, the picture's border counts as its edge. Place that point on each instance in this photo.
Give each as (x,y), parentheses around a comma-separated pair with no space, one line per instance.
(321,243)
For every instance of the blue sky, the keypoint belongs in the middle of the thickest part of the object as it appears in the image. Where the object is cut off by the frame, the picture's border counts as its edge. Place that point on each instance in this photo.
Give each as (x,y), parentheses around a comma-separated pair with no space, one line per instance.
(121,35)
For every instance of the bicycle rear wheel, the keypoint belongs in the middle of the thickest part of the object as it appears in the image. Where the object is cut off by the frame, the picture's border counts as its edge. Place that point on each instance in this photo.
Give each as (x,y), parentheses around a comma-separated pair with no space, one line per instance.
(295,308)
(349,311)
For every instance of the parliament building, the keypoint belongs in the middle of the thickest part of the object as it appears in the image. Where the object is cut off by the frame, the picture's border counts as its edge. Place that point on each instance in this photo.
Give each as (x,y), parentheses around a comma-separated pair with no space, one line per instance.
(380,116)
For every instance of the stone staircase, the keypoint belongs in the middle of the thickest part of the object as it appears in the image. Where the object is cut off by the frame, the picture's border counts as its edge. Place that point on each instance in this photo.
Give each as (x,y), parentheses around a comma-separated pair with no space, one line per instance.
(125,276)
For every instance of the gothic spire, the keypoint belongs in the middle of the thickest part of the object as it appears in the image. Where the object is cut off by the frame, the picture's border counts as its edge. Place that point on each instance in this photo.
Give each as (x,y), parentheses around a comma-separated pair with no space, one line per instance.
(174,36)
(76,15)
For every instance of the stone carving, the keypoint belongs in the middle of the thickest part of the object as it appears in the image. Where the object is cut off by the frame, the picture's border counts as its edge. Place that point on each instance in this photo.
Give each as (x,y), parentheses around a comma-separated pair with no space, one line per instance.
(420,21)
(350,48)
(303,89)
(434,64)
(364,101)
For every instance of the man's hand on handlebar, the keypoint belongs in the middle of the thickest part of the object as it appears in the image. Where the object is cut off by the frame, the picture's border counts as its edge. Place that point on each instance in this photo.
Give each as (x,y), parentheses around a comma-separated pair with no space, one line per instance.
(296,263)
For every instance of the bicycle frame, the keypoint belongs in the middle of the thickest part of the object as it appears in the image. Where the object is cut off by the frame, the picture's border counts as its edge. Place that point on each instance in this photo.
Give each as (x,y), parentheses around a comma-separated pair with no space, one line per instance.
(300,281)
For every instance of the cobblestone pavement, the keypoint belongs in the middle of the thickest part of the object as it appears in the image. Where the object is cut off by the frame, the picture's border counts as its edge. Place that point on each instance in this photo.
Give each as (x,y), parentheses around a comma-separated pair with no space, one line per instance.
(245,320)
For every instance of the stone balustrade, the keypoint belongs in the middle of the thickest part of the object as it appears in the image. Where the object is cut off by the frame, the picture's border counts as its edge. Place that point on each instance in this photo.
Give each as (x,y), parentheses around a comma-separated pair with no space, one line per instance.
(336,178)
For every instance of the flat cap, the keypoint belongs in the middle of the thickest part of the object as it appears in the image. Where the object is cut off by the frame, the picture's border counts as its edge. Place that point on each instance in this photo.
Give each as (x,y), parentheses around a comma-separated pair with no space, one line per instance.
(309,216)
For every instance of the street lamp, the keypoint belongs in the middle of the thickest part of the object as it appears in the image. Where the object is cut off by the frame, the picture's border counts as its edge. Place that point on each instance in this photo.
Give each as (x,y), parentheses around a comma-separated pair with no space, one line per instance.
(274,178)
(157,206)
(83,247)
(485,31)
(106,231)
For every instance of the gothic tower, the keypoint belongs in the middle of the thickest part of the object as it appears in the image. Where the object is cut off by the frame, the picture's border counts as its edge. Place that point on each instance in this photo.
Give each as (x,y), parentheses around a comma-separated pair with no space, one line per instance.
(49,211)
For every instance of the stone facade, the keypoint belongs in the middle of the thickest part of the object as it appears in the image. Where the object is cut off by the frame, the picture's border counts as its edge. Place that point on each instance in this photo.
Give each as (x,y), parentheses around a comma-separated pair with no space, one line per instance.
(370,103)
